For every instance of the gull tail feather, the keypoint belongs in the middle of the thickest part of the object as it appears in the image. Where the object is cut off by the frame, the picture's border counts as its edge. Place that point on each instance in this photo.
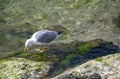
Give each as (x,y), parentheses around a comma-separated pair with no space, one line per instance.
(60,32)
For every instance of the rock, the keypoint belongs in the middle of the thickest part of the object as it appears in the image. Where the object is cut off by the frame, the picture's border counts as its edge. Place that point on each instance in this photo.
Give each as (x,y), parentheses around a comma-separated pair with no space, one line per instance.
(95,76)
(21,68)
(73,76)
(106,68)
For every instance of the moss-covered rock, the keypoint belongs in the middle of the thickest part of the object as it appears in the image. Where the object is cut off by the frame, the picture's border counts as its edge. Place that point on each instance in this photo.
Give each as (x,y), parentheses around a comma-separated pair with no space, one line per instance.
(100,68)
(34,56)
(68,59)
(19,68)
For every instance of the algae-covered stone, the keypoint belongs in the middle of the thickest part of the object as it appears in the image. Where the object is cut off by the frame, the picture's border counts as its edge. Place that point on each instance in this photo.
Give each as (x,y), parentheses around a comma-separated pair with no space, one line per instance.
(108,68)
(20,68)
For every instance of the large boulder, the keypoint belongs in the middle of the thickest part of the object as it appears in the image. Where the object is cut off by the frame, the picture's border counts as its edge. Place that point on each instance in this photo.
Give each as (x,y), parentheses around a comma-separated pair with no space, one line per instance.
(107,67)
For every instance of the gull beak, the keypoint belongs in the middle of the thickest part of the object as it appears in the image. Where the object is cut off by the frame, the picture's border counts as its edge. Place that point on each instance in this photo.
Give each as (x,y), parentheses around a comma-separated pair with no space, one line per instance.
(26,49)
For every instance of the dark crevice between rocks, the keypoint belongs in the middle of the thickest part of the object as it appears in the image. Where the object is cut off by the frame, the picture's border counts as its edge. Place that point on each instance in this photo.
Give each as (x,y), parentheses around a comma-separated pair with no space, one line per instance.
(100,48)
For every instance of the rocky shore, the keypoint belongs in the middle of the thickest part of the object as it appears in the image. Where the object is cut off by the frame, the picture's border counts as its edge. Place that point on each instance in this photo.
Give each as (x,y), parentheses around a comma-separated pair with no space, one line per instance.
(75,60)
(88,49)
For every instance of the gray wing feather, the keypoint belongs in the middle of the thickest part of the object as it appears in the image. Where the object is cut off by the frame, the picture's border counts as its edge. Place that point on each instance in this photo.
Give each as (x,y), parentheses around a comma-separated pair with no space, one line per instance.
(45,36)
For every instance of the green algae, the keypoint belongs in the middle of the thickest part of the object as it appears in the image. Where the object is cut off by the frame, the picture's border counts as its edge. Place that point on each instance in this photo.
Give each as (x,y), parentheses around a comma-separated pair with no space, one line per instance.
(2,36)
(76,73)
(4,3)
(83,3)
(85,48)
(116,21)
(34,56)
(67,60)
(99,59)
(11,54)
(82,49)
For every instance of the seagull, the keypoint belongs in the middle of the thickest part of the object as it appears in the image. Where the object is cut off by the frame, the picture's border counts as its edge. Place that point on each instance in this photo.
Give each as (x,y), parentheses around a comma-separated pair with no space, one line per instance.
(41,37)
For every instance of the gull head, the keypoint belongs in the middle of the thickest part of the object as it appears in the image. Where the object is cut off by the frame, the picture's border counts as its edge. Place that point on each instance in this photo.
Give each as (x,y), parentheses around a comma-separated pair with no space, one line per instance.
(28,44)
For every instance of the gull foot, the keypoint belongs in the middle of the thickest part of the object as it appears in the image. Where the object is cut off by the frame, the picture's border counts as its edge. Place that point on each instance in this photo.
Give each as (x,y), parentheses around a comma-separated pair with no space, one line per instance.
(39,50)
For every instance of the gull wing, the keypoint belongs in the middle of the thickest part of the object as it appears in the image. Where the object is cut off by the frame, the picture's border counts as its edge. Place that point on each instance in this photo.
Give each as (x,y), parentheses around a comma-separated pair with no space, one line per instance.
(44,36)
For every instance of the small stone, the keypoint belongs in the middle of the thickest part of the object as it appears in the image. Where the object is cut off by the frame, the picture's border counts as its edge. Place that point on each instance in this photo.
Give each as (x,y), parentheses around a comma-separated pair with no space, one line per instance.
(95,76)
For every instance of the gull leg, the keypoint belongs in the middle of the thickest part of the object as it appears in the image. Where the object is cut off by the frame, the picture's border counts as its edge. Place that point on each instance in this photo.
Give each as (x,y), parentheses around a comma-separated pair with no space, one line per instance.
(26,49)
(40,49)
